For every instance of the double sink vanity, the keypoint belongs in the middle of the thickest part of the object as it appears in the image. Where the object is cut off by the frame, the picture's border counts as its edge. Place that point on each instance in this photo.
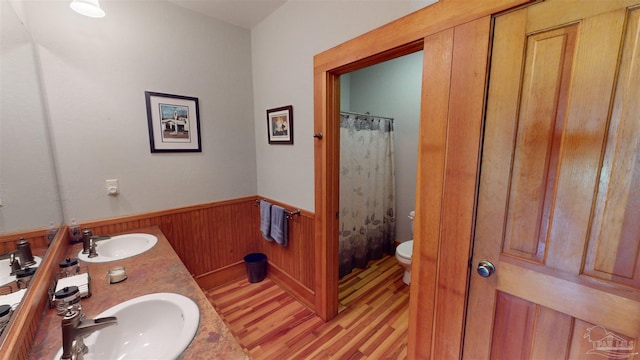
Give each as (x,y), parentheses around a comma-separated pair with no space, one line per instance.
(160,311)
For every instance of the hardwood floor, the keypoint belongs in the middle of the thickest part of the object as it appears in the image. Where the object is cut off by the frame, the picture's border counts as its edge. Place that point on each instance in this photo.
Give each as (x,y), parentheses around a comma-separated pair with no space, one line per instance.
(271,324)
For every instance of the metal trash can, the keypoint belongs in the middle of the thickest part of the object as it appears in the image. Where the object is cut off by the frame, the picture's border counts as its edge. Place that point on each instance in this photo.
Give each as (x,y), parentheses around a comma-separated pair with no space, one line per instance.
(256,267)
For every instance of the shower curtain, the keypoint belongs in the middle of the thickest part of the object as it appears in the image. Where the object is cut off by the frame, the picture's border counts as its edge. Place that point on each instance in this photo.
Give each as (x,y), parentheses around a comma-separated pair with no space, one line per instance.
(367,190)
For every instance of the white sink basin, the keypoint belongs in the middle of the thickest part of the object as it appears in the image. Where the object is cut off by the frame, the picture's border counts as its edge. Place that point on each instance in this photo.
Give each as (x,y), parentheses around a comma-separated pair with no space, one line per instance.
(5,270)
(120,247)
(154,326)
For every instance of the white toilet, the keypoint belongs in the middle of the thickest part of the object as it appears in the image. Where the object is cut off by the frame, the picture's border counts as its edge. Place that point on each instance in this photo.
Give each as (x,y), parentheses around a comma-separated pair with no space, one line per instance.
(404,252)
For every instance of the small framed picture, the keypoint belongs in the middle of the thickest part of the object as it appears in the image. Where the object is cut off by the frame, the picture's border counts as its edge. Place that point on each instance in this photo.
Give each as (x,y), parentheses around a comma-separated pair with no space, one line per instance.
(174,123)
(280,125)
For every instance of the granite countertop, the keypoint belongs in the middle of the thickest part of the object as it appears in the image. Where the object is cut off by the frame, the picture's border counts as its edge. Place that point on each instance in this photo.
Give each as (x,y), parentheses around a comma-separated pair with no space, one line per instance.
(157,270)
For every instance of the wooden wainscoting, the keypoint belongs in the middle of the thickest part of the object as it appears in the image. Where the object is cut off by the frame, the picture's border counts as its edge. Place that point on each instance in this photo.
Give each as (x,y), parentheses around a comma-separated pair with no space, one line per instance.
(292,267)
(212,240)
(37,239)
(206,237)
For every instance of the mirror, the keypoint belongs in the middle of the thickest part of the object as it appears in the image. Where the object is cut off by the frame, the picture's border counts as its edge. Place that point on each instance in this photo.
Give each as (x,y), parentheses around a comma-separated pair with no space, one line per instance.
(28,185)
(29,198)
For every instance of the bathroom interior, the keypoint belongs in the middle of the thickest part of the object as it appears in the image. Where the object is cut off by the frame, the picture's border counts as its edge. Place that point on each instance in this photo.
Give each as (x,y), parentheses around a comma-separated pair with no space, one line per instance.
(50,181)
(386,92)
(74,126)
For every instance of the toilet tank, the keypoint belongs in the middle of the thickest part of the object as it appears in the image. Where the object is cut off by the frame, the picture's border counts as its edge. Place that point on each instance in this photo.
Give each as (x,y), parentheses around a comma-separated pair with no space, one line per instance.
(412,214)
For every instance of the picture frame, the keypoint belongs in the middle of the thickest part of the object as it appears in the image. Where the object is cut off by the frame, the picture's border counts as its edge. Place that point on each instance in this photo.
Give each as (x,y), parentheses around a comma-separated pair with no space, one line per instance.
(174,123)
(280,125)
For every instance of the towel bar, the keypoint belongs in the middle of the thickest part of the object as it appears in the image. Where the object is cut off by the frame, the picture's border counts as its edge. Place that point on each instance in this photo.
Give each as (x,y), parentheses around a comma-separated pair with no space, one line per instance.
(289,214)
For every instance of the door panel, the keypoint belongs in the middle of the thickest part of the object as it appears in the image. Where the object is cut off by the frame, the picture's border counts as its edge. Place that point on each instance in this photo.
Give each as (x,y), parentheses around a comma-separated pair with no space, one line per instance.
(514,323)
(614,249)
(559,197)
(542,114)
(525,329)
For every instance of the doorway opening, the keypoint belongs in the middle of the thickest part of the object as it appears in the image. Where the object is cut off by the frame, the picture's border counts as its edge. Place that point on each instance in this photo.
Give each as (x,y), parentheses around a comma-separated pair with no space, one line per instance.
(327,180)
(379,124)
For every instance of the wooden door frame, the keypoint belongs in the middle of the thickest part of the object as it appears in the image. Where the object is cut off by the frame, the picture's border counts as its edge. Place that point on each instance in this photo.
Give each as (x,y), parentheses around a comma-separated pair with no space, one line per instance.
(449,141)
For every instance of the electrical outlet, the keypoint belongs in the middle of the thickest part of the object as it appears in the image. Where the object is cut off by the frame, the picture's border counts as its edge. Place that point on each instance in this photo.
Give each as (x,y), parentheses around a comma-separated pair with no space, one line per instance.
(112,187)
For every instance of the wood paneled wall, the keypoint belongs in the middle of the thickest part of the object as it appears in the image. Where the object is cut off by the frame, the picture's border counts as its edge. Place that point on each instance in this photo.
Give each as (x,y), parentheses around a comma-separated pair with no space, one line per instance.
(37,238)
(212,240)
(293,266)
(212,237)
(206,237)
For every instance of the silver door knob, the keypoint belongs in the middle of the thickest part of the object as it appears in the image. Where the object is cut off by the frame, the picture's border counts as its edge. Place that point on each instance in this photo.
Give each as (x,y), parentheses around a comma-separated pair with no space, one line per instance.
(318,135)
(485,268)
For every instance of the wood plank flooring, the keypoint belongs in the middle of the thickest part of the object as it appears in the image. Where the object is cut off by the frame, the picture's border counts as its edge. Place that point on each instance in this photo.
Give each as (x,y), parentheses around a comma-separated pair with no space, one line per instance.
(271,324)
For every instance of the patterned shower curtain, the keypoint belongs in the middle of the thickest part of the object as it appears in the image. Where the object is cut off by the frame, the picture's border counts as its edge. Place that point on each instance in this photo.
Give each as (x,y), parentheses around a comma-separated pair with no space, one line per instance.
(367,190)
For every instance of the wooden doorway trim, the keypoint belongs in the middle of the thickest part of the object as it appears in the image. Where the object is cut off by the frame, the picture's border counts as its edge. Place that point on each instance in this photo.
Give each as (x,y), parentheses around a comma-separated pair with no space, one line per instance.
(398,38)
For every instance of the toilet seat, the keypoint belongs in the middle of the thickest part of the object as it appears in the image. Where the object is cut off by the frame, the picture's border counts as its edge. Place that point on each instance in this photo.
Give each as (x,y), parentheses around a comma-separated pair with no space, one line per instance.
(405,249)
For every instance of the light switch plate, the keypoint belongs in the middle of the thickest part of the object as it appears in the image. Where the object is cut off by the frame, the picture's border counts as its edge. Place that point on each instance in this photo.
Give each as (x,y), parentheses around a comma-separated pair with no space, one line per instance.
(112,187)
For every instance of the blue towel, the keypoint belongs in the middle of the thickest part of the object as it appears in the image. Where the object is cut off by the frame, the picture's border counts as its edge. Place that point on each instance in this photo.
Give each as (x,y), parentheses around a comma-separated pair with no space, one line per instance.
(279,225)
(265,219)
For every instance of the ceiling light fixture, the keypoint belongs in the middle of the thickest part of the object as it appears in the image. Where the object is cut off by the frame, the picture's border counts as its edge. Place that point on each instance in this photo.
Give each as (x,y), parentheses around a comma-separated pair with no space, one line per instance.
(89,8)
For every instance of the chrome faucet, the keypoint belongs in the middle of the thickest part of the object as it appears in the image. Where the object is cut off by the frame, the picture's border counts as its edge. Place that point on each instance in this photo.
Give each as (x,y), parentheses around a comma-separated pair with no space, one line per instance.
(75,327)
(14,261)
(92,249)
(20,257)
(92,244)
(89,240)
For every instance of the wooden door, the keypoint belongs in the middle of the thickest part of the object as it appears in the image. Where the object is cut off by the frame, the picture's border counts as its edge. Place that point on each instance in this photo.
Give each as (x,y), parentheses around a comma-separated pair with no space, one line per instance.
(559,197)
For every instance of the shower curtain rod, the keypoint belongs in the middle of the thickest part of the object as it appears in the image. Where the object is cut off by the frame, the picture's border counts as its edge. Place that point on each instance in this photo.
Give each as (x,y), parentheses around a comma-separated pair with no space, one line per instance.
(367,114)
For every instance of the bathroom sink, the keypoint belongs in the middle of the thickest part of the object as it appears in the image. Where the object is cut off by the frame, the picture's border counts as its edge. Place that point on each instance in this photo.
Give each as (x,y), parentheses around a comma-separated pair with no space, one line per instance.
(120,247)
(5,270)
(154,326)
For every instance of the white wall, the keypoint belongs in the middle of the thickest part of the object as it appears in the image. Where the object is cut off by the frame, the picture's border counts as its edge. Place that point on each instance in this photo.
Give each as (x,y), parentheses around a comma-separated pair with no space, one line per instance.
(283,46)
(393,89)
(28,187)
(95,73)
